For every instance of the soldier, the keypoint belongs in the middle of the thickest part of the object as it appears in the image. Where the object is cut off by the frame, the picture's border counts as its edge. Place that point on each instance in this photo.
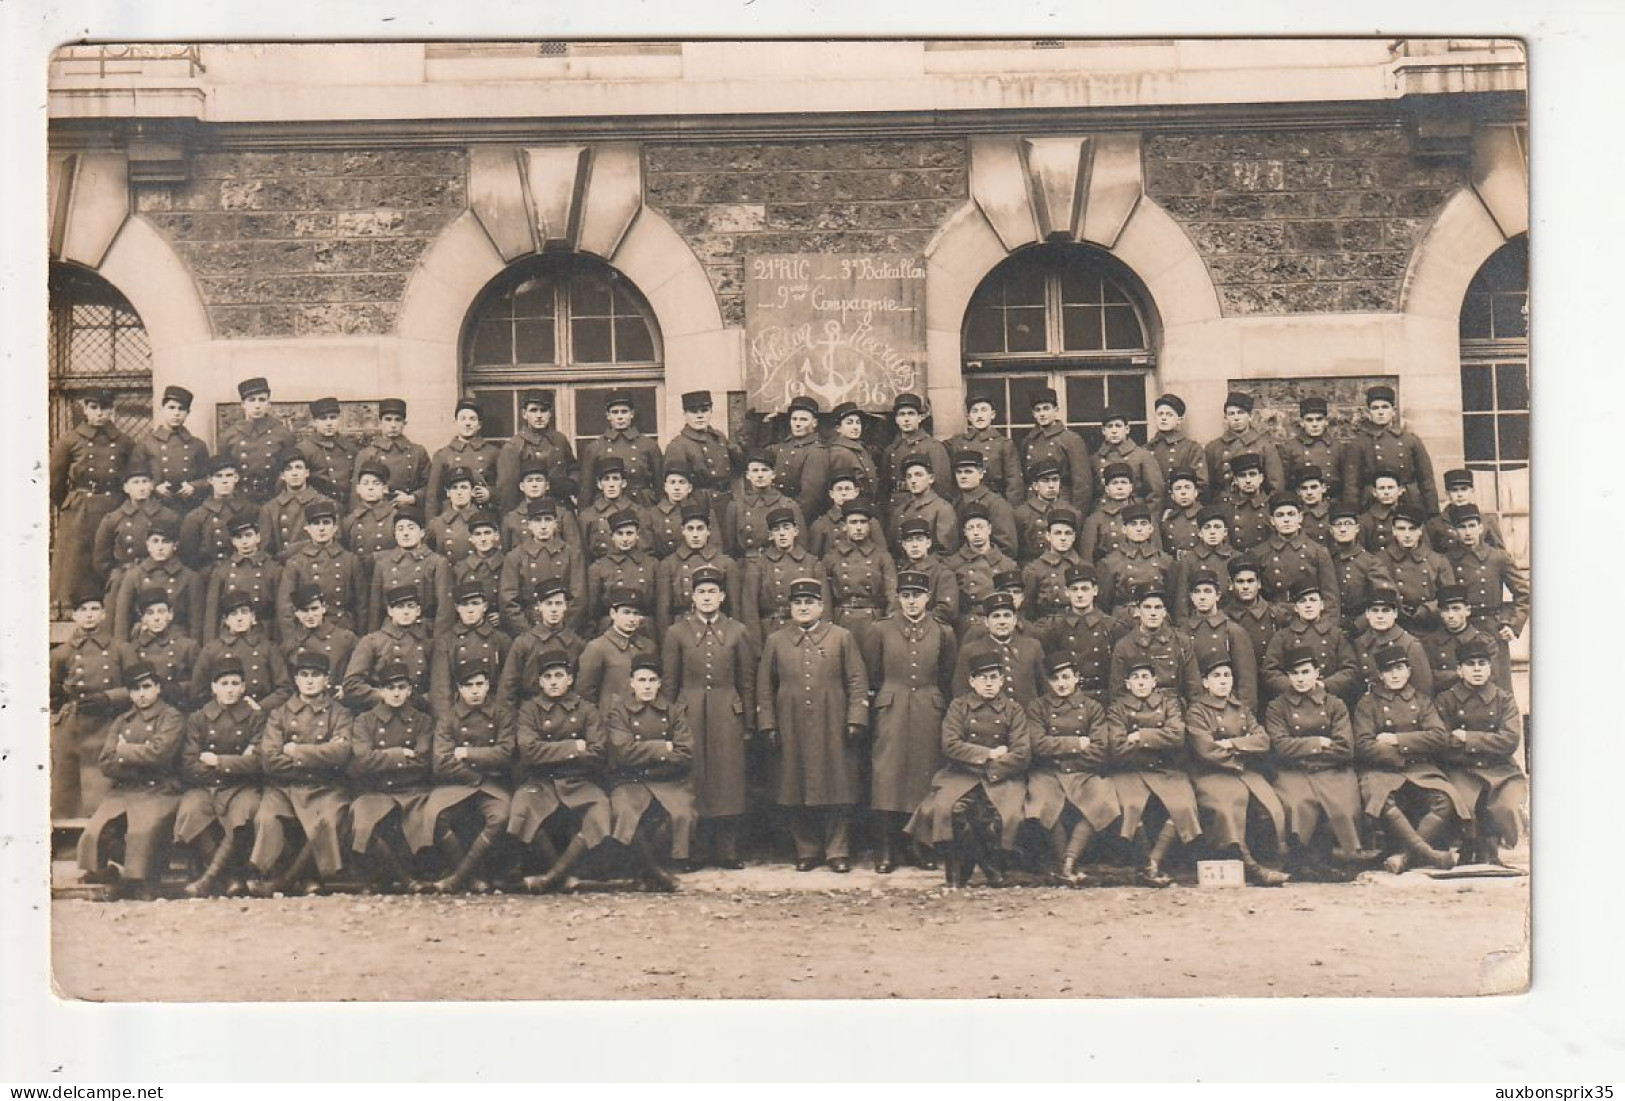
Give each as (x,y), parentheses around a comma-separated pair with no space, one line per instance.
(711,458)
(1381,443)
(1312,742)
(1311,487)
(1339,669)
(1044,578)
(205,534)
(1376,522)
(138,757)
(1242,437)
(87,691)
(1174,450)
(1103,530)
(1136,562)
(910,659)
(87,464)
(535,446)
(1358,570)
(1443,644)
(665,519)
(969,470)
(843,489)
(121,537)
(473,641)
(1065,792)
(1154,640)
(1032,515)
(156,643)
(402,639)
(626,565)
(563,749)
(1020,655)
(177,460)
(1227,746)
(1311,445)
(220,765)
(1117,447)
(674,577)
(534,486)
(1399,743)
(283,517)
(908,410)
(1246,605)
(976,801)
(1212,553)
(765,602)
(1490,577)
(303,751)
(613,499)
(710,664)
(862,575)
(606,661)
(918,554)
(1214,636)
(483,561)
(311,631)
(639,456)
(1247,500)
(812,707)
(410,563)
(448,534)
(266,684)
(160,568)
(1085,635)
(999,458)
(406,462)
(1289,558)
(1460,489)
(330,455)
(1181,522)
(1051,442)
(1417,572)
(919,503)
(248,570)
(801,463)
(473,755)
(258,442)
(1382,629)
(745,531)
(847,453)
(1484,726)
(468,450)
(319,560)
(975,564)
(651,754)
(391,755)
(1146,760)
(543,555)
(548,632)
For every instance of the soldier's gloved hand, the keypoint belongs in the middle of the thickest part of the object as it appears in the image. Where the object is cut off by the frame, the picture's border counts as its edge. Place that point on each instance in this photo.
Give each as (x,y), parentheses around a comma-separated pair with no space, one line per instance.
(855,731)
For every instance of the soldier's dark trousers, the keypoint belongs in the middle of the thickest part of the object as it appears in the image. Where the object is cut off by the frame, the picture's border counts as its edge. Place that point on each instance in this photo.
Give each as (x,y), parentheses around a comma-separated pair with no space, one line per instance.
(822,832)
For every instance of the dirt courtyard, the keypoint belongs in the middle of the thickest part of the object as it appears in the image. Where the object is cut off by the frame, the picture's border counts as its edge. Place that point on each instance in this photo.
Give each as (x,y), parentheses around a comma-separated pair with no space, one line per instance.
(769,933)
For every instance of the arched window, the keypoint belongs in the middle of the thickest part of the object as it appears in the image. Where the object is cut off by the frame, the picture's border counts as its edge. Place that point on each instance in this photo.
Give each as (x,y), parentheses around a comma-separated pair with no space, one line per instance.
(1495,362)
(97,341)
(568,324)
(1066,317)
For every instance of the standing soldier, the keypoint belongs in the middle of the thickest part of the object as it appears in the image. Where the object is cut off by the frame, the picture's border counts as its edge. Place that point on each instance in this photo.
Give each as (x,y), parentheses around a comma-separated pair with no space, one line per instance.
(178,460)
(406,462)
(1310,484)
(612,499)
(1248,501)
(182,588)
(825,529)
(910,659)
(975,564)
(765,602)
(1417,572)
(157,643)
(969,470)
(1084,635)
(550,604)
(627,565)
(139,757)
(1032,515)
(1311,445)
(675,576)
(711,457)
(483,562)
(745,530)
(1381,443)
(220,765)
(907,412)
(1497,588)
(121,537)
(1460,489)
(1443,644)
(1377,519)
(1334,657)
(205,535)
(448,530)
(473,755)
(391,754)
(812,706)
(330,455)
(606,661)
(265,683)
(847,453)
(1246,605)
(1180,522)
(1103,530)
(1242,437)
(543,556)
(536,444)
(918,554)
(1358,570)
(1053,443)
(976,800)
(1136,562)
(248,570)
(1154,641)
(319,560)
(1043,579)
(1174,450)
(258,442)
(919,502)
(1484,727)
(410,563)
(999,458)
(651,754)
(1065,792)
(1382,629)
(666,517)
(710,673)
(640,457)
(403,640)
(468,450)
(1117,447)
(87,465)
(1212,553)
(1145,729)
(801,463)
(1290,558)
(1019,654)
(473,641)
(303,751)
(535,486)
(311,631)
(87,690)
(862,576)
(1213,635)
(283,517)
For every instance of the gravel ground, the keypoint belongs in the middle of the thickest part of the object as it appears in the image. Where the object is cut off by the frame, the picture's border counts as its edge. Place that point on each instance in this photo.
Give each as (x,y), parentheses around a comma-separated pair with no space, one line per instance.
(770,933)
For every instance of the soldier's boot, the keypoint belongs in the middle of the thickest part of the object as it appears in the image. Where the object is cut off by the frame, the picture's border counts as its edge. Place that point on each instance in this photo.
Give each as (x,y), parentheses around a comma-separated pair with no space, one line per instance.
(543,844)
(1151,874)
(387,856)
(1413,846)
(560,871)
(949,859)
(659,878)
(925,857)
(204,885)
(476,853)
(1433,828)
(297,869)
(1082,834)
(885,862)
(1258,874)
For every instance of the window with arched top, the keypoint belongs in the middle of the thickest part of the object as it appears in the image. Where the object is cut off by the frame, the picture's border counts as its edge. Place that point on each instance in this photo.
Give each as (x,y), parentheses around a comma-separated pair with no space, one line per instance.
(569,324)
(97,341)
(1495,361)
(1066,317)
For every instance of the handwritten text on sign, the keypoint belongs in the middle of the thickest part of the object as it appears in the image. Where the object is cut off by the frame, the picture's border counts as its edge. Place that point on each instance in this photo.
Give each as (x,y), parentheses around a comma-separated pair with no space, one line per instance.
(837,328)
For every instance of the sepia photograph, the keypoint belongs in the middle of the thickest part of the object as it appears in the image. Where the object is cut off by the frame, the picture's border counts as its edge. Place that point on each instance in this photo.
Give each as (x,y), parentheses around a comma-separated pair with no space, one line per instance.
(925,518)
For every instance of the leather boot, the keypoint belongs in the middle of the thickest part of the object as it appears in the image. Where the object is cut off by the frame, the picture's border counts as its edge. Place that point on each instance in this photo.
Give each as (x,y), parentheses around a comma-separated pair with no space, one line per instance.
(1258,874)
(203,885)
(885,864)
(556,875)
(1151,872)
(925,858)
(1411,841)
(465,867)
(449,846)
(296,870)
(1431,829)
(387,855)
(1082,834)
(659,878)
(950,864)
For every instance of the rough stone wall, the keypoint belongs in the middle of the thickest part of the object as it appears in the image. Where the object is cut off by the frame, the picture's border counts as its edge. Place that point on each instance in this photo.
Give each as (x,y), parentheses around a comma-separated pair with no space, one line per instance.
(838,196)
(1310,221)
(307,243)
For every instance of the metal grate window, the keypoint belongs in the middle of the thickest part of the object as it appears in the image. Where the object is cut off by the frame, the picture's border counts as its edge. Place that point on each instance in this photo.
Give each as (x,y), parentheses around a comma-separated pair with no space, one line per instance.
(1495,362)
(96,341)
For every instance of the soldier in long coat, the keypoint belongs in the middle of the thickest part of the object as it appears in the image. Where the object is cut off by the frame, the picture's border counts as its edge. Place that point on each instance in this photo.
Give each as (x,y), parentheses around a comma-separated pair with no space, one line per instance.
(1066,793)
(711,458)
(1381,443)
(329,453)
(248,570)
(1213,635)
(710,666)
(765,602)
(976,800)
(908,410)
(605,669)
(862,576)
(258,442)
(812,704)
(266,682)
(1020,655)
(920,504)
(312,631)
(910,660)
(1241,437)
(220,766)
(473,750)
(651,753)
(407,463)
(534,443)
(544,556)
(997,451)
(121,537)
(674,577)
(1051,442)
(1145,732)
(1399,743)
(178,460)
(87,691)
(1155,640)
(848,456)
(1339,668)
(468,450)
(520,671)
(1497,588)
(139,757)
(1227,747)
(801,462)
(87,468)
(1084,634)
(322,561)
(391,755)
(410,563)
(624,442)
(1174,450)
(1485,728)
(563,750)
(747,525)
